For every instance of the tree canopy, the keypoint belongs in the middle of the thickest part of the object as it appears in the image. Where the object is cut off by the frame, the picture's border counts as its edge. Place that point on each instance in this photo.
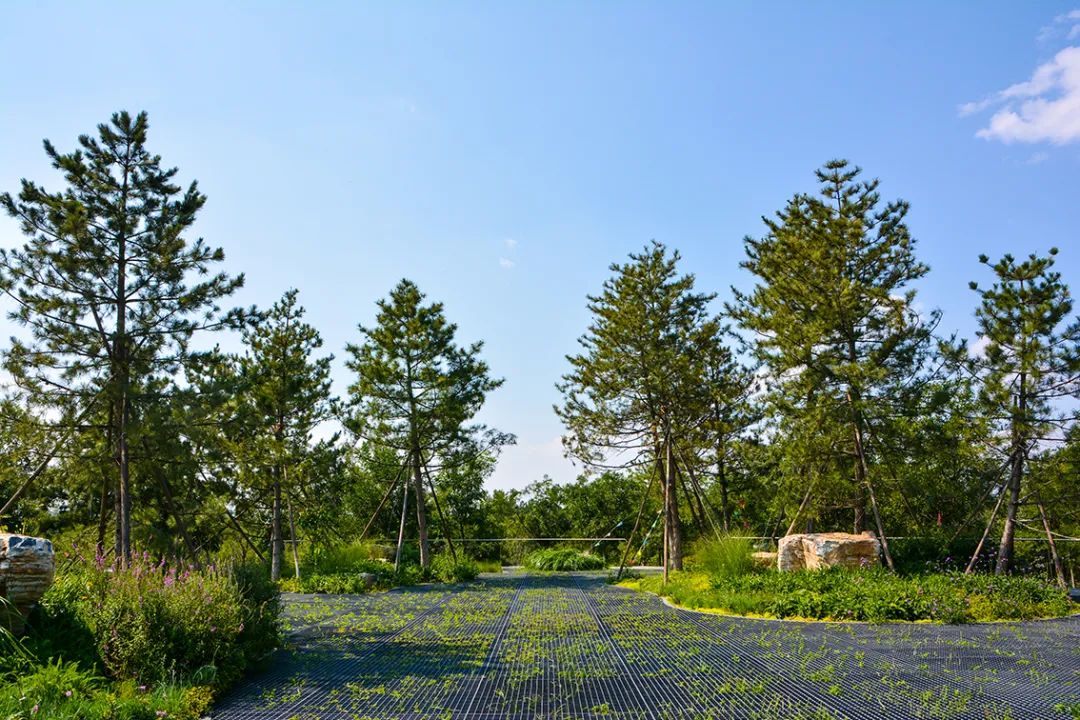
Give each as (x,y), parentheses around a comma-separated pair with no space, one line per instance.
(819,396)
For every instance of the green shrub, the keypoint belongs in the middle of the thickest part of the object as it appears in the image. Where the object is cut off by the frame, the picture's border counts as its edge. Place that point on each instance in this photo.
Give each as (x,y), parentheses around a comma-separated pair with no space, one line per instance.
(445,569)
(153,624)
(260,608)
(726,556)
(872,595)
(562,560)
(351,581)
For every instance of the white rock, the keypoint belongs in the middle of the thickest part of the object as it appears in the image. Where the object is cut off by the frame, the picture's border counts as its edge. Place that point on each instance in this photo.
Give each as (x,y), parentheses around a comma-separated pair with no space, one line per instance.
(27,568)
(813,551)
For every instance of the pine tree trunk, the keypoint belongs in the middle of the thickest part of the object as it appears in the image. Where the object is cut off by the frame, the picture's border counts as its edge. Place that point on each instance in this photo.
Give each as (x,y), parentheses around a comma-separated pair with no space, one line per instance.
(121,377)
(277,540)
(295,550)
(421,513)
(1059,571)
(860,499)
(123,520)
(721,476)
(853,397)
(1008,533)
(418,482)
(103,514)
(674,527)
(401,527)
(1016,475)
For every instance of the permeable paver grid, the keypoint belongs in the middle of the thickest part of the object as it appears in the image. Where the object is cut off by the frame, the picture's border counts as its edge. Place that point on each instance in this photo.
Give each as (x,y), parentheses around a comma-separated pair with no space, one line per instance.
(527,646)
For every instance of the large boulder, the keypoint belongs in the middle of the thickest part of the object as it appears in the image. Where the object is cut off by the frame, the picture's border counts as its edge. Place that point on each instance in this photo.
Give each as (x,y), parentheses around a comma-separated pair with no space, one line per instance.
(813,551)
(27,567)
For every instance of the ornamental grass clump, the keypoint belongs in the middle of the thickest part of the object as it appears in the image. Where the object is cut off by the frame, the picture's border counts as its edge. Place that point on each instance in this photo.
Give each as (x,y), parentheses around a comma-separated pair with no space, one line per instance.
(562,560)
(725,556)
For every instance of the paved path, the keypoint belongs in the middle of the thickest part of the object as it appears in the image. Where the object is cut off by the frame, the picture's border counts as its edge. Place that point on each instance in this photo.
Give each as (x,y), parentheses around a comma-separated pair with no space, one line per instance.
(527,646)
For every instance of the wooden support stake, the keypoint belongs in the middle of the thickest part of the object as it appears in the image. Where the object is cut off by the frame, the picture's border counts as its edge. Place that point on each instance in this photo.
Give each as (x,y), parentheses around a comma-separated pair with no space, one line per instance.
(986,533)
(1058,570)
(382,502)
(442,517)
(401,528)
(637,523)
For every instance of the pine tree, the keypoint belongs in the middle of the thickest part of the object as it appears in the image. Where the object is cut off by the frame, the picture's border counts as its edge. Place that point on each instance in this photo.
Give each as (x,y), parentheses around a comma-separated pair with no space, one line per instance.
(631,396)
(286,396)
(109,287)
(416,390)
(832,315)
(1029,363)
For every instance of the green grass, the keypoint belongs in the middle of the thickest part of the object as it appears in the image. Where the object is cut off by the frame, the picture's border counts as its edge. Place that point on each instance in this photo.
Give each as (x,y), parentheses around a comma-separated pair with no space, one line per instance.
(61,690)
(489,566)
(871,595)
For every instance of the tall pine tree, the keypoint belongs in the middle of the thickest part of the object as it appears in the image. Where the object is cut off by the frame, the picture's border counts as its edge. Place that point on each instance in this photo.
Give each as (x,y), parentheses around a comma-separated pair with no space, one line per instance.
(1029,363)
(109,287)
(416,391)
(286,396)
(833,316)
(632,395)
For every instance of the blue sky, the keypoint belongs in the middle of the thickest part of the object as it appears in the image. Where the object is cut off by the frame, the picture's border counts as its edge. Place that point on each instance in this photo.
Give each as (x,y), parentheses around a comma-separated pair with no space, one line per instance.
(502,155)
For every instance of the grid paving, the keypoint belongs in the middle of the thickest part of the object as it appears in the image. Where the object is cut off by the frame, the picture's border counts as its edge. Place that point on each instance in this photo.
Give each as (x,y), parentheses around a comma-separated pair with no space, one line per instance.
(570,646)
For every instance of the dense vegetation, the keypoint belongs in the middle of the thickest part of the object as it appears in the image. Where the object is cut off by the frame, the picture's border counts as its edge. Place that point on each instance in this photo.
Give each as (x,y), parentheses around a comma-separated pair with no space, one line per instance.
(722,577)
(146,641)
(865,595)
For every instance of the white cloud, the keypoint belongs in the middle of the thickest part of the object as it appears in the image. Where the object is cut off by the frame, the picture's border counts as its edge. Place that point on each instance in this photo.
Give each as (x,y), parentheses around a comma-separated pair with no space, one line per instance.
(1039,157)
(510,243)
(1045,108)
(506,263)
(970,108)
(978,348)
(1067,24)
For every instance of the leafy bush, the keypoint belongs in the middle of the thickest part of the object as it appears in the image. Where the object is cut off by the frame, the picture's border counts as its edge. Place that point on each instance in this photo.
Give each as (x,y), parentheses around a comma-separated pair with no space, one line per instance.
(154,624)
(562,560)
(726,556)
(260,607)
(868,595)
(446,569)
